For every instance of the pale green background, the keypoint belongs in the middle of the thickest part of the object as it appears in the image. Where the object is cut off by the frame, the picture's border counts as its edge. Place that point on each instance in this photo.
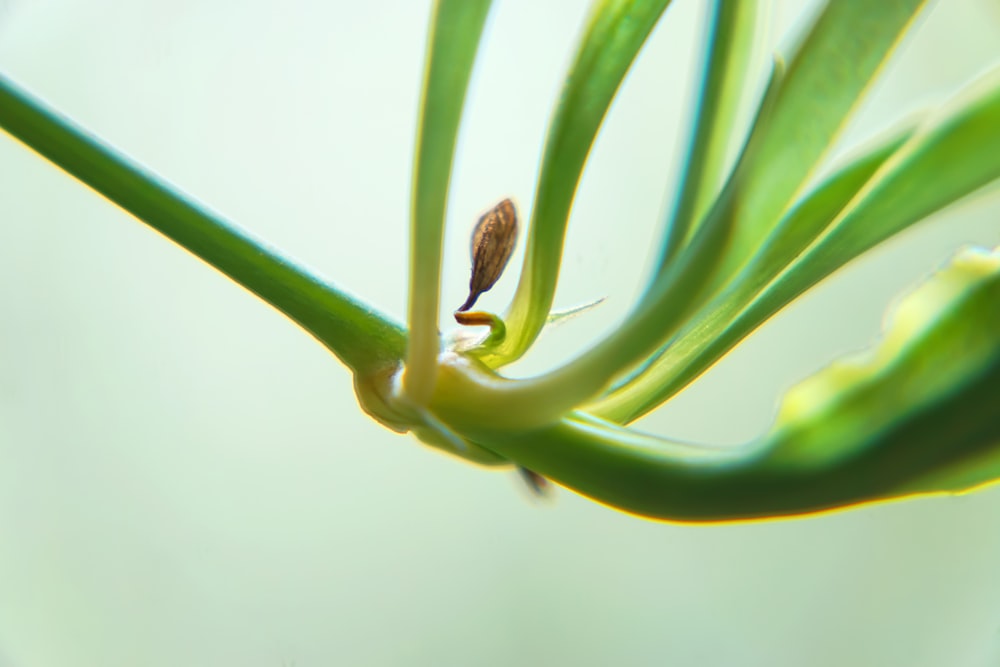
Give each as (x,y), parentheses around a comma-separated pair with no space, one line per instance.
(186,478)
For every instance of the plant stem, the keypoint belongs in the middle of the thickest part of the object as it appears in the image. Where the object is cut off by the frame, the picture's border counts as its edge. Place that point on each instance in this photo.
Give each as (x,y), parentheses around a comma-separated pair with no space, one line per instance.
(733,34)
(361,337)
(615,33)
(456,27)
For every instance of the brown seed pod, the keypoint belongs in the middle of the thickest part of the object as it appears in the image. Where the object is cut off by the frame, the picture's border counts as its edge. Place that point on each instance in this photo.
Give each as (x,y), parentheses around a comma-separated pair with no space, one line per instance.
(492,244)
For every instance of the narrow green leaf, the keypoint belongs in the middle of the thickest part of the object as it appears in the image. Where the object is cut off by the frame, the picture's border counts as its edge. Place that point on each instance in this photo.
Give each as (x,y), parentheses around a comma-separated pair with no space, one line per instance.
(615,33)
(733,34)
(790,135)
(917,415)
(361,337)
(826,77)
(717,327)
(456,27)
(904,189)
(952,155)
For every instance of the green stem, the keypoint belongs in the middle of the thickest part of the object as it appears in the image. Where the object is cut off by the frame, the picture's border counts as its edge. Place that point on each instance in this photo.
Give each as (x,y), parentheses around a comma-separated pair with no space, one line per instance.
(917,414)
(731,41)
(469,395)
(361,337)
(716,327)
(615,33)
(454,36)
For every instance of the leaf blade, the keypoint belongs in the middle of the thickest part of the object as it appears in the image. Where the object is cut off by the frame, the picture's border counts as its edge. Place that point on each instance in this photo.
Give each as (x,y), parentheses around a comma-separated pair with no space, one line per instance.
(907,186)
(728,58)
(455,31)
(717,326)
(825,79)
(616,31)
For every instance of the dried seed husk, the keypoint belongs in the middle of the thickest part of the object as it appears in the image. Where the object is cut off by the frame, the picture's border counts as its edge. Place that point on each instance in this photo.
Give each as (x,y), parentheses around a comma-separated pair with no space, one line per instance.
(498,330)
(537,484)
(492,244)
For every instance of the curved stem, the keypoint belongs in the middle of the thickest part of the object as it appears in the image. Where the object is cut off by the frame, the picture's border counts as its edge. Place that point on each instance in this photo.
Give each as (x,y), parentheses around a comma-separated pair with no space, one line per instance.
(916,414)
(469,395)
(615,34)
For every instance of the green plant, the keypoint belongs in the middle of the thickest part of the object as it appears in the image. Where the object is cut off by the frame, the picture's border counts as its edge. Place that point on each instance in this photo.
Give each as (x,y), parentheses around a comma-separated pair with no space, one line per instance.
(919,415)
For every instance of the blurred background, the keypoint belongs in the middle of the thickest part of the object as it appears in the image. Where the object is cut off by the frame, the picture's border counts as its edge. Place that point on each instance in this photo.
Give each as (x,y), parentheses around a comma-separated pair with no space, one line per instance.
(186,477)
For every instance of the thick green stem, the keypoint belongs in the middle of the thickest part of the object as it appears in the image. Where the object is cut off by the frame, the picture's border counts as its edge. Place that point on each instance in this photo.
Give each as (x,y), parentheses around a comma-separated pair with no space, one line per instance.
(470,395)
(917,414)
